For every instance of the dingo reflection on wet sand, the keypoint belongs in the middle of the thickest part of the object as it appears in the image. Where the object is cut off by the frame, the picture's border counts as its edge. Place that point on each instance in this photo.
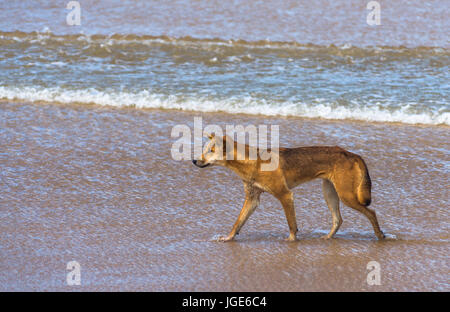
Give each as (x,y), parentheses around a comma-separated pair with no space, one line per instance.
(345,177)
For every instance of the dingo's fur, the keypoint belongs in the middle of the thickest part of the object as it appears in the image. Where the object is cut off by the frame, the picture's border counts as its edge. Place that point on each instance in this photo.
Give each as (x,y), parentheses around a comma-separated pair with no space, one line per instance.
(344,174)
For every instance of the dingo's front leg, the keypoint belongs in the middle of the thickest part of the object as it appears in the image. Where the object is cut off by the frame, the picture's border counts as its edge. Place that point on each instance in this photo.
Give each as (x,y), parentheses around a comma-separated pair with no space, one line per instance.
(287,200)
(251,202)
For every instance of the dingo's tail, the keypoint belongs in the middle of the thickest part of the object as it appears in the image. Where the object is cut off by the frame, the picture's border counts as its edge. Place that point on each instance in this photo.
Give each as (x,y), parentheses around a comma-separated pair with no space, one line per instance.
(365,185)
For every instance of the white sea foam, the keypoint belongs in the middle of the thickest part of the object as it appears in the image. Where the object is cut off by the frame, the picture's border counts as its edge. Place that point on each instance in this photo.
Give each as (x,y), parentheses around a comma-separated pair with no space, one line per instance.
(245,105)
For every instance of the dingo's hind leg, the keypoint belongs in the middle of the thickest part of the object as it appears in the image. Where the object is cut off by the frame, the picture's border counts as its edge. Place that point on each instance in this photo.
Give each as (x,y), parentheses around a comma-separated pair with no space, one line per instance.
(369,213)
(348,194)
(332,199)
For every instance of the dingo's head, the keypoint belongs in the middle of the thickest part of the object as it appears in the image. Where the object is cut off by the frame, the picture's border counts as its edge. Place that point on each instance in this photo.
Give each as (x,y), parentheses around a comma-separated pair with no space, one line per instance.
(214,152)
(223,151)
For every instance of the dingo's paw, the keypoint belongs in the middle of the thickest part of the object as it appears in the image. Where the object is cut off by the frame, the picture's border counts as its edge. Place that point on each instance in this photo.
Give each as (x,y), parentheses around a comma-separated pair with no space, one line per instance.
(291,238)
(380,236)
(225,238)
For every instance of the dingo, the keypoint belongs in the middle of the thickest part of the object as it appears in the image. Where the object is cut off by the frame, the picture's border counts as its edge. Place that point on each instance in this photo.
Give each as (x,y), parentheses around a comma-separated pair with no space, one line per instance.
(344,174)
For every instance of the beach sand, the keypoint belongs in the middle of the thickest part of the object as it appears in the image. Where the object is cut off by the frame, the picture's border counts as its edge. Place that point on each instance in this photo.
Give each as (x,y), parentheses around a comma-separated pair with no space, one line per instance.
(98,185)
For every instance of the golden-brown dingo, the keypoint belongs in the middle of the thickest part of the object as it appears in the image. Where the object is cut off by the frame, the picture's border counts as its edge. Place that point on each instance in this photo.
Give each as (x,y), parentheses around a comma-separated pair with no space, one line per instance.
(344,174)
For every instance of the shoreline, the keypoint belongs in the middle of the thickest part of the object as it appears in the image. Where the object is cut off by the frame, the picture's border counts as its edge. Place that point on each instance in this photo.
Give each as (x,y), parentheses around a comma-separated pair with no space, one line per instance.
(224,113)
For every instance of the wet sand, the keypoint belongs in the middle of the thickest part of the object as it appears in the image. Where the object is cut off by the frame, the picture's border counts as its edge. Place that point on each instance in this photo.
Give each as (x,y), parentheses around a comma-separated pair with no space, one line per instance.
(98,185)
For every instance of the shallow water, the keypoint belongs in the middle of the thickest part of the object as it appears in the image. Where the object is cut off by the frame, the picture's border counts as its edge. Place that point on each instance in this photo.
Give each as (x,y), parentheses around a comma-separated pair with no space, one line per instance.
(98,185)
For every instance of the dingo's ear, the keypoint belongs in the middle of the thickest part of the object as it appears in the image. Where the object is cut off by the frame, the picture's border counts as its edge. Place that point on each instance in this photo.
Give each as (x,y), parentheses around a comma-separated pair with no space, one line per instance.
(209,136)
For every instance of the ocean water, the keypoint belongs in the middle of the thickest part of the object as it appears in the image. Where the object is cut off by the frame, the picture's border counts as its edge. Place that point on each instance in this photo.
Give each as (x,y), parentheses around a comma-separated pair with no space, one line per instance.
(289,58)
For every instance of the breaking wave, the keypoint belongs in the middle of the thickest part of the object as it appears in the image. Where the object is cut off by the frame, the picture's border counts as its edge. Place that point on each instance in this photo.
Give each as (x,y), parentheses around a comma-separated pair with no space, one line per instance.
(219,46)
(245,105)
